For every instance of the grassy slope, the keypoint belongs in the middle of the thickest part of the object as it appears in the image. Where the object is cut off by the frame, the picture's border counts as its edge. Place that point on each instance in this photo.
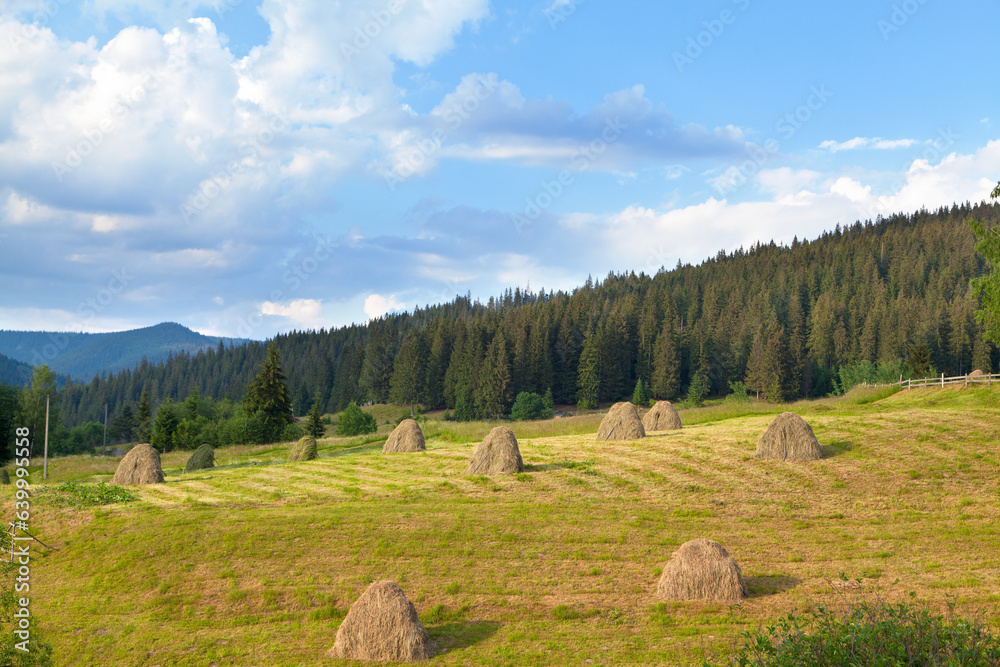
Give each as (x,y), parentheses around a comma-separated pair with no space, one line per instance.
(251,565)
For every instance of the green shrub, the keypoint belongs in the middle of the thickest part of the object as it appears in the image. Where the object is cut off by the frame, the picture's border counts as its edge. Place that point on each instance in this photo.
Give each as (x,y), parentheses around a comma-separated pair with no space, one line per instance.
(291,432)
(4,476)
(739,393)
(354,421)
(528,405)
(71,494)
(873,634)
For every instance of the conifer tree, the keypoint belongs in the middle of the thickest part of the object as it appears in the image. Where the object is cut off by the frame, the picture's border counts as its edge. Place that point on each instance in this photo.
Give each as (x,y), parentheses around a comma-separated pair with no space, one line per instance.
(666,365)
(493,397)
(589,380)
(987,287)
(268,394)
(314,425)
(639,396)
(409,372)
(144,418)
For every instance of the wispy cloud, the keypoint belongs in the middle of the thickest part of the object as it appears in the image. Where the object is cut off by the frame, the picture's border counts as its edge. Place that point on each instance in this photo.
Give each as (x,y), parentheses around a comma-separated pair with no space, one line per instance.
(876,143)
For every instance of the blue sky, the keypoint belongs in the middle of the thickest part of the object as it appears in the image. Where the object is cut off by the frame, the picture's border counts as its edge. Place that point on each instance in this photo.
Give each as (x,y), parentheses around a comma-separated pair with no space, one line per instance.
(246,168)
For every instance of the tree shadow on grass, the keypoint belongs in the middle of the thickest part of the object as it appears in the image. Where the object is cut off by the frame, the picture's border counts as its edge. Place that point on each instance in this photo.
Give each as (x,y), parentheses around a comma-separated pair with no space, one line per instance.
(461,634)
(836,448)
(770,584)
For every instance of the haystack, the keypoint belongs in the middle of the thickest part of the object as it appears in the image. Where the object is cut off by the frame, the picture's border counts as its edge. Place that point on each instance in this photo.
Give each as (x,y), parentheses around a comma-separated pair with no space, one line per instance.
(407,437)
(497,454)
(382,625)
(202,459)
(621,423)
(140,466)
(662,417)
(976,374)
(788,438)
(303,450)
(702,570)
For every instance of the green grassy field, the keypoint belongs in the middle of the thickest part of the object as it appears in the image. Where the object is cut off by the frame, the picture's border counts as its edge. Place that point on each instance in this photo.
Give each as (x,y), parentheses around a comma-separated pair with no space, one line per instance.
(257,562)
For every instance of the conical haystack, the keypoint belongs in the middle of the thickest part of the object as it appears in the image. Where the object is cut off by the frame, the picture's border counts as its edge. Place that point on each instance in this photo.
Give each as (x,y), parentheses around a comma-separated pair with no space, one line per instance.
(303,450)
(202,459)
(621,423)
(788,438)
(661,417)
(382,626)
(140,466)
(497,454)
(407,437)
(702,570)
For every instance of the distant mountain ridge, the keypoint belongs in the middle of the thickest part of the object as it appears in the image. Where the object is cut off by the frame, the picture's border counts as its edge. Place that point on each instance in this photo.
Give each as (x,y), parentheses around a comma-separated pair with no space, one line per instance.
(13,372)
(84,355)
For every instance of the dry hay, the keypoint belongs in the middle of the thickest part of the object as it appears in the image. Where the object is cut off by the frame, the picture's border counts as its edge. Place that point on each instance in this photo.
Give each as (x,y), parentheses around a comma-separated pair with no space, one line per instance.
(497,454)
(202,459)
(621,423)
(382,625)
(303,450)
(661,417)
(140,466)
(976,374)
(788,438)
(702,570)
(407,437)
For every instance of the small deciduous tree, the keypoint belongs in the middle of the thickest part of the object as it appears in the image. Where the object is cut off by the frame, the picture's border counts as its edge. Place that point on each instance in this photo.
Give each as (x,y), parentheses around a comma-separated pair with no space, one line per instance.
(355,421)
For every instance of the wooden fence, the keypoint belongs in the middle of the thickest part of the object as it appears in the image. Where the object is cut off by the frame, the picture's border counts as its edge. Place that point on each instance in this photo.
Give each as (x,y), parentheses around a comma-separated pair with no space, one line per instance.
(942,381)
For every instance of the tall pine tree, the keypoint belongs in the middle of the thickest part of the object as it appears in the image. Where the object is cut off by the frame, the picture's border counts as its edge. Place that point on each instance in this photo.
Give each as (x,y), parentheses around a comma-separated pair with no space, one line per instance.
(268,395)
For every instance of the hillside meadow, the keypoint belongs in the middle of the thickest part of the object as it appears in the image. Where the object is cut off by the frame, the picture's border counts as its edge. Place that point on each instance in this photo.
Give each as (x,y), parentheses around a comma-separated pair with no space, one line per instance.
(257,561)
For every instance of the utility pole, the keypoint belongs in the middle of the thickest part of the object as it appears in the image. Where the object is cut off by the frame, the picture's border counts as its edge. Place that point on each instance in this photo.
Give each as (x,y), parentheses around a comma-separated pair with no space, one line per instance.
(104,447)
(45,469)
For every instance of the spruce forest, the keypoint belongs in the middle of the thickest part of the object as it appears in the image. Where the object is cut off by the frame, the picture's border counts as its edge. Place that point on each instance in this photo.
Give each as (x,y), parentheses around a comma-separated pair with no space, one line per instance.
(785,320)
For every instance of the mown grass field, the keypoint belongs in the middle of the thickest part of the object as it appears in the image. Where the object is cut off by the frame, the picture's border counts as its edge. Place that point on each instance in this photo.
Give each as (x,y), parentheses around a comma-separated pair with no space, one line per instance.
(257,564)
